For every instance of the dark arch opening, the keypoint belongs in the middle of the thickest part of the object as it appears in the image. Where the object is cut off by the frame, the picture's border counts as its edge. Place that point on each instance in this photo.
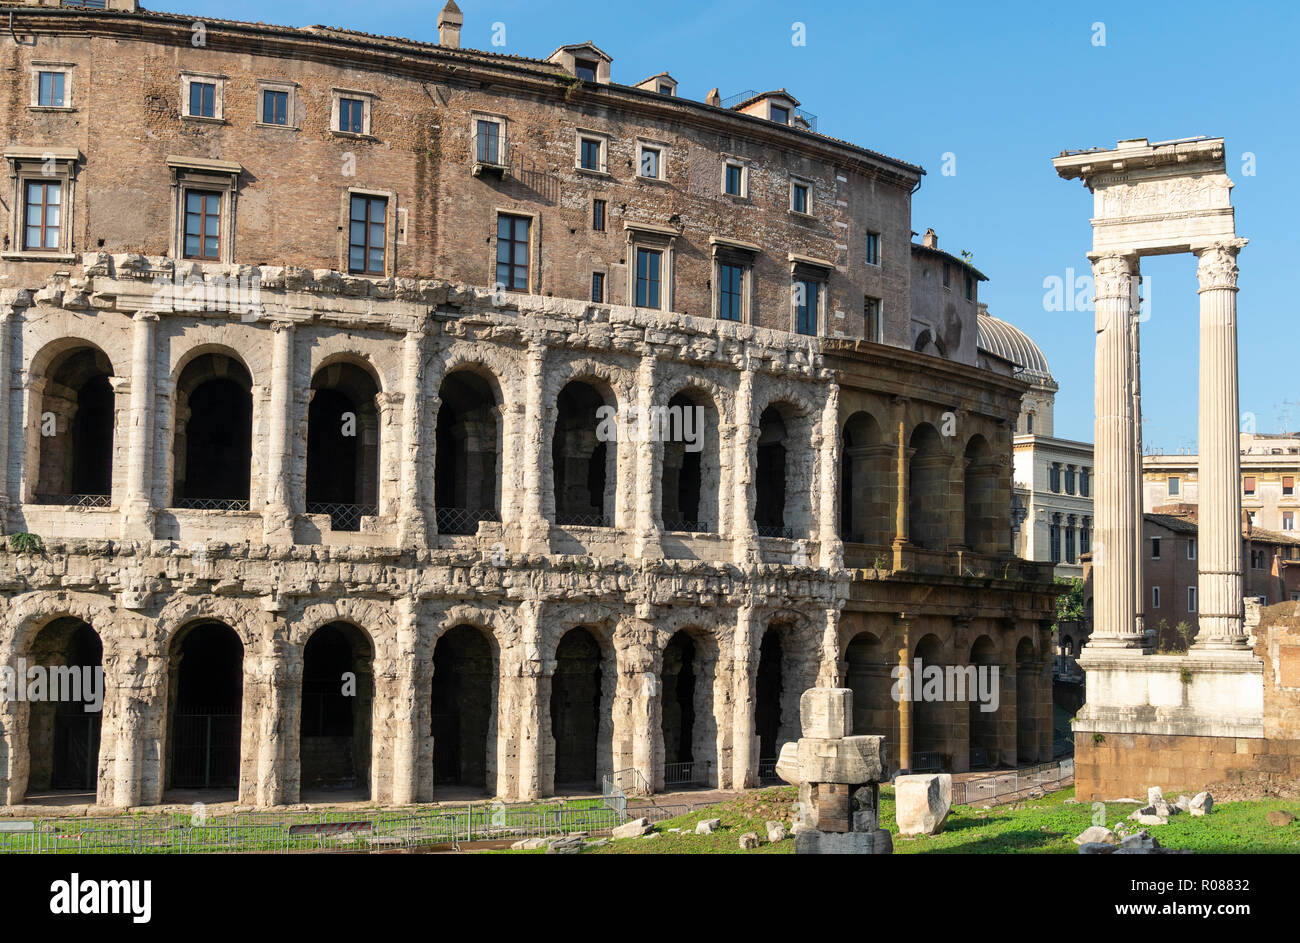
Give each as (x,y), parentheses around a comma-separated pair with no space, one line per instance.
(927,489)
(677,715)
(343,446)
(689,479)
(575,709)
(463,673)
(770,685)
(76,455)
(979,499)
(213,449)
(983,724)
(62,735)
(467,469)
(865,482)
(337,694)
(583,460)
(1027,718)
(931,721)
(770,480)
(206,687)
(868,676)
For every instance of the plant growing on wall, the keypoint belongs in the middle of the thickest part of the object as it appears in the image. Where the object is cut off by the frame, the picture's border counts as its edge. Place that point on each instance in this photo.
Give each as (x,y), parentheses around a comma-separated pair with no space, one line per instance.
(23,542)
(1069,605)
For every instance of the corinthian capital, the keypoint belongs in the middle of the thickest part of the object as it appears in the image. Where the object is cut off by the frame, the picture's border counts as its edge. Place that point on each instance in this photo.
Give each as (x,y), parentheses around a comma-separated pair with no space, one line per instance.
(1217,266)
(1112,275)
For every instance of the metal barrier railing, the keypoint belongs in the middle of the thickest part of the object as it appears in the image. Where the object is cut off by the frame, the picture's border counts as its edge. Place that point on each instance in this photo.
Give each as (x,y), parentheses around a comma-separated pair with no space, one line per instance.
(688,773)
(75,500)
(1012,782)
(580,520)
(212,504)
(774,530)
(464,521)
(767,770)
(343,516)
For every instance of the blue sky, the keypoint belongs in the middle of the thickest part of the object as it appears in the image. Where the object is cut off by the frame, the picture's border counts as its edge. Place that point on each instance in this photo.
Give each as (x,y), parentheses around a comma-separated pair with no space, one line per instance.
(1003,87)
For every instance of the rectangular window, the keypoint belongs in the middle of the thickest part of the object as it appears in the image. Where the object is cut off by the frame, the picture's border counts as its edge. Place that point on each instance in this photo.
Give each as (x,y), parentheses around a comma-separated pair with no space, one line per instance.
(649,163)
(1069,479)
(648,262)
(1288,485)
(597,286)
(947,275)
(44,215)
(202,225)
(585,69)
(1155,597)
(733,180)
(352,115)
(512,251)
(1191,599)
(806,303)
(799,198)
(1191,548)
(1054,538)
(1085,537)
(1175,486)
(1155,548)
(1069,543)
(780,114)
(598,215)
(666,90)
(50,91)
(1249,485)
(872,324)
(488,143)
(970,287)
(1083,482)
(873,248)
(275,107)
(731,282)
(1288,520)
(1054,478)
(367,235)
(203,99)
(590,153)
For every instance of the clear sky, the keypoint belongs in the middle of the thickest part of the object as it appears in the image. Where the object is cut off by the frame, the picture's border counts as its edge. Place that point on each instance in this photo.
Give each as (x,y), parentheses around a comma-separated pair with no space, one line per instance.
(1002,88)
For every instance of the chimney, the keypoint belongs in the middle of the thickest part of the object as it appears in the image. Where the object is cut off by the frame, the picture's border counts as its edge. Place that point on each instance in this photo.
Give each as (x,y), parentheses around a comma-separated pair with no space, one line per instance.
(930,240)
(714,98)
(450,21)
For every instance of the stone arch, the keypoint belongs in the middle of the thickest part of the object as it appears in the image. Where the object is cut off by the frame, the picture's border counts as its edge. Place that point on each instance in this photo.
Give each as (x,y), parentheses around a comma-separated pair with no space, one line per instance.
(584,453)
(343,442)
(783,468)
(981,513)
(867,674)
(1027,718)
(212,446)
(463,707)
(984,751)
(72,427)
(336,716)
(928,488)
(469,448)
(205,706)
(931,720)
(688,728)
(866,481)
(690,473)
(788,659)
(579,706)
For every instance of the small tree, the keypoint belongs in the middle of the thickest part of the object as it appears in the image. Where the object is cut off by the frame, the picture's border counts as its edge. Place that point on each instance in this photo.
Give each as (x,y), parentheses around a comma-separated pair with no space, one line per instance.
(1069,604)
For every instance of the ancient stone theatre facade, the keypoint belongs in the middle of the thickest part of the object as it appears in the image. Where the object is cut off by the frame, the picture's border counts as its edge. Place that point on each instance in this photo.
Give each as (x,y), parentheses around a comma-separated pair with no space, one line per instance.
(393,416)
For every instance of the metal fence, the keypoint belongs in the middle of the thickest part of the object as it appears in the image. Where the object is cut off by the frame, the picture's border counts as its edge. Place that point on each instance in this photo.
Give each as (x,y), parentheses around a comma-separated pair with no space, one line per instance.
(343,516)
(997,787)
(688,773)
(464,521)
(281,832)
(212,504)
(75,500)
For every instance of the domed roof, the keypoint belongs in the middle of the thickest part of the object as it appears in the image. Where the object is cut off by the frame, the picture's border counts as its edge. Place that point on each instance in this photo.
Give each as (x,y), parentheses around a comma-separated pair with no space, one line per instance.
(1007,341)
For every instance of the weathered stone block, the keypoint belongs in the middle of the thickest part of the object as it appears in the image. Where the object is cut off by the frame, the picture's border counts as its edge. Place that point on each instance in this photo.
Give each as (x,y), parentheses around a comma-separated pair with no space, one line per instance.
(922,803)
(826,713)
(850,760)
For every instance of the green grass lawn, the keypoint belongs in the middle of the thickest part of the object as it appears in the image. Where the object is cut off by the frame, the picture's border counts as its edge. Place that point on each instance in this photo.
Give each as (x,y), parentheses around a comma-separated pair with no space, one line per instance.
(1038,826)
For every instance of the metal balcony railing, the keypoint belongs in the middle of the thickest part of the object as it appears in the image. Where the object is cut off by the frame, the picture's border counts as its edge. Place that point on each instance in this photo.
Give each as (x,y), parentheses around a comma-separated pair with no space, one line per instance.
(775,530)
(75,500)
(213,504)
(579,519)
(689,527)
(343,516)
(464,521)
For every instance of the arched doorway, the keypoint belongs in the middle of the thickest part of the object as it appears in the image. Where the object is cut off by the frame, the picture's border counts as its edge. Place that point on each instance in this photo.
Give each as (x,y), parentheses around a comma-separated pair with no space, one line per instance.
(931,720)
(63,735)
(1027,718)
(928,489)
(462,698)
(467,467)
(865,481)
(583,461)
(980,490)
(336,718)
(213,448)
(689,483)
(984,723)
(770,476)
(868,676)
(206,684)
(575,710)
(686,710)
(75,465)
(770,699)
(343,446)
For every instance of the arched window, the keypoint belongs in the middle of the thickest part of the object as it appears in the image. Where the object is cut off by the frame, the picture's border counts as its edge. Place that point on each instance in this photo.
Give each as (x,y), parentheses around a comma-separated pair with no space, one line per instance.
(343,446)
(583,459)
(75,465)
(213,447)
(865,482)
(688,429)
(467,466)
(928,489)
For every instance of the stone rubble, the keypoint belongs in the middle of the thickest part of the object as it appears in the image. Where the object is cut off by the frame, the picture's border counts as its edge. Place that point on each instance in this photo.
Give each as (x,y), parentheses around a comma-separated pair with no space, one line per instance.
(922,802)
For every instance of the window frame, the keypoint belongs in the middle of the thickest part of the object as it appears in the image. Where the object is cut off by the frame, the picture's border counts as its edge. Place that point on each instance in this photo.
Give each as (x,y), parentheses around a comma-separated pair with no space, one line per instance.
(662,239)
(198,173)
(476,118)
(1288,520)
(660,150)
(873,320)
(773,108)
(819,304)
(873,241)
(582,64)
(370,199)
(599,276)
(1249,485)
(1191,548)
(33,165)
(1174,485)
(796,184)
(1155,597)
(1191,599)
(218,82)
(599,214)
(367,99)
(1155,548)
(36,68)
(529,265)
(658,281)
(290,92)
(729,164)
(203,194)
(601,140)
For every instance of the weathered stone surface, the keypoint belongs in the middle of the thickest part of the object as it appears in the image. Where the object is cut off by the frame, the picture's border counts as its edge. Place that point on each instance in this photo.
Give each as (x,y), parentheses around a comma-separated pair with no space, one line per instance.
(1097,833)
(851,760)
(922,802)
(826,713)
(1202,804)
(787,763)
(812,842)
(707,826)
(749,841)
(633,829)
(776,832)
(1097,848)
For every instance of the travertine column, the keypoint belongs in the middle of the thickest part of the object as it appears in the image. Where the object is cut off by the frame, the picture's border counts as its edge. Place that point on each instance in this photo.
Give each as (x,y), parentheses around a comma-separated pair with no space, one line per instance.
(412,526)
(277,519)
(744,756)
(529,617)
(406,712)
(6,378)
(1115,567)
(137,513)
(1219,601)
(831,671)
(832,548)
(905,700)
(744,532)
(1139,600)
(649,439)
(534,526)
